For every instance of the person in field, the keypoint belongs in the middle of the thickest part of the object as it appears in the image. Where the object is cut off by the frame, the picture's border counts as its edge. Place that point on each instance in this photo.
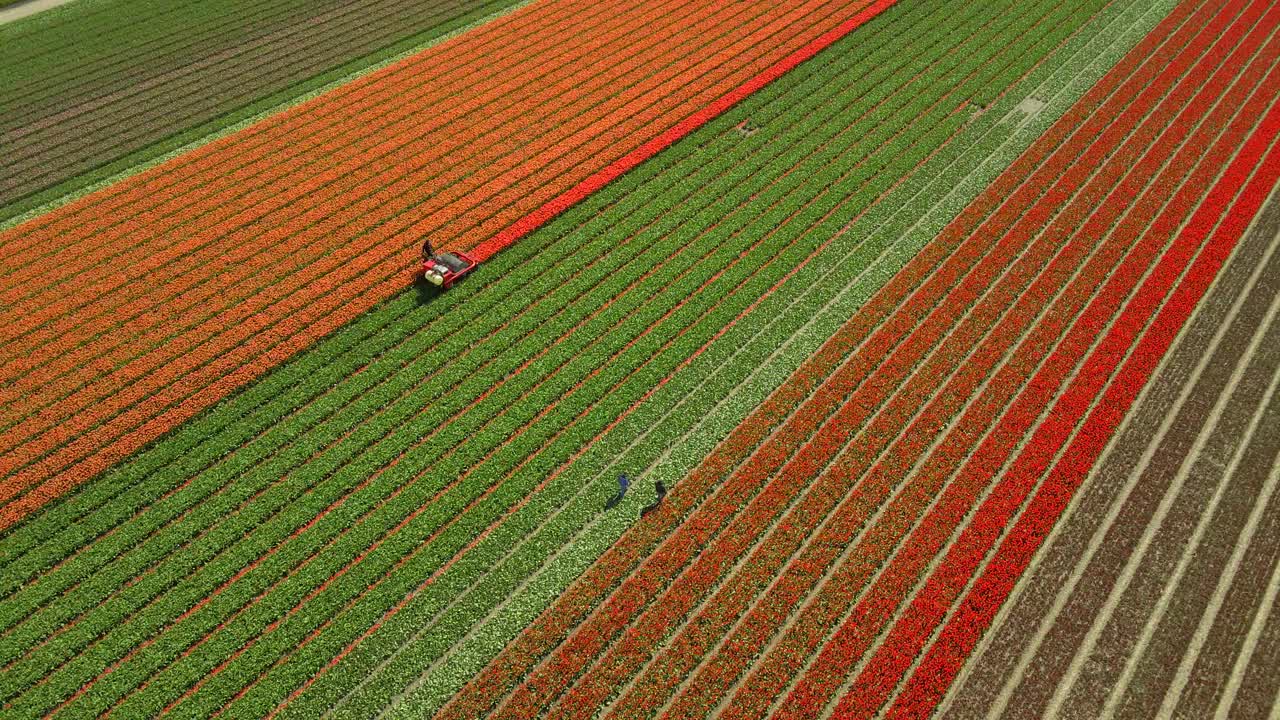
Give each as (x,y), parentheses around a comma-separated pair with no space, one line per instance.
(662,492)
(623,484)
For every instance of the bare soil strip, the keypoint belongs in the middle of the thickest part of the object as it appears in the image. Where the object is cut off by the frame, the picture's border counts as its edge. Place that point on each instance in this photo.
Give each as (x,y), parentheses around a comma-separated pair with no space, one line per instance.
(1140,451)
(19,10)
(1257,691)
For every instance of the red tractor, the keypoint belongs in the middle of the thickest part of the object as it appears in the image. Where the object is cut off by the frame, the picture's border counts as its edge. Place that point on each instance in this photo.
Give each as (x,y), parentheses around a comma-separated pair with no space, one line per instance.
(443,269)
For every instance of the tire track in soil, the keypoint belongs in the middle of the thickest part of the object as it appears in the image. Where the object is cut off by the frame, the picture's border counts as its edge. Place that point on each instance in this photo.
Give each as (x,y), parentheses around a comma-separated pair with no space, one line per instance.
(1259,683)
(1141,451)
(1240,568)
(1136,459)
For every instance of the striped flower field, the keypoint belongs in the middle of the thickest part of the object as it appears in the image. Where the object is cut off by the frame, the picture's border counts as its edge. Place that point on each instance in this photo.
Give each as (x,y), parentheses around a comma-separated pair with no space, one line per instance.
(934,339)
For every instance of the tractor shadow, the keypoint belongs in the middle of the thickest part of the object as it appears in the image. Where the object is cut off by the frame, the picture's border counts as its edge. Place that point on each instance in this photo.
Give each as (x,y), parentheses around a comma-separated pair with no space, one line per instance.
(425,291)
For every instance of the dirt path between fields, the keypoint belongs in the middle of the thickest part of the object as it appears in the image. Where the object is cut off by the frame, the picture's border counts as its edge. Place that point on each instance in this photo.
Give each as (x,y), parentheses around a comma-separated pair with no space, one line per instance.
(28,8)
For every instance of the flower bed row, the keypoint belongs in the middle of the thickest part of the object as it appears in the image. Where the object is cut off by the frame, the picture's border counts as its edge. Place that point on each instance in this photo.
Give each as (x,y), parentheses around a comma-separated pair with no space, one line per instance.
(516,576)
(456,343)
(533,345)
(310,123)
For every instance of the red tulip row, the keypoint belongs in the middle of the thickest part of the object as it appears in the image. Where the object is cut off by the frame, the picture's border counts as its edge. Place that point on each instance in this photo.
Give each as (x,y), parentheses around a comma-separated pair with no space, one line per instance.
(708,625)
(142,405)
(596,634)
(895,654)
(1105,404)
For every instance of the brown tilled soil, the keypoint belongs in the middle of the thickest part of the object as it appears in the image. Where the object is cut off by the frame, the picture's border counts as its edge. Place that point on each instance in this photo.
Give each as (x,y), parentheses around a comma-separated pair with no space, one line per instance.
(143,100)
(1106,622)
